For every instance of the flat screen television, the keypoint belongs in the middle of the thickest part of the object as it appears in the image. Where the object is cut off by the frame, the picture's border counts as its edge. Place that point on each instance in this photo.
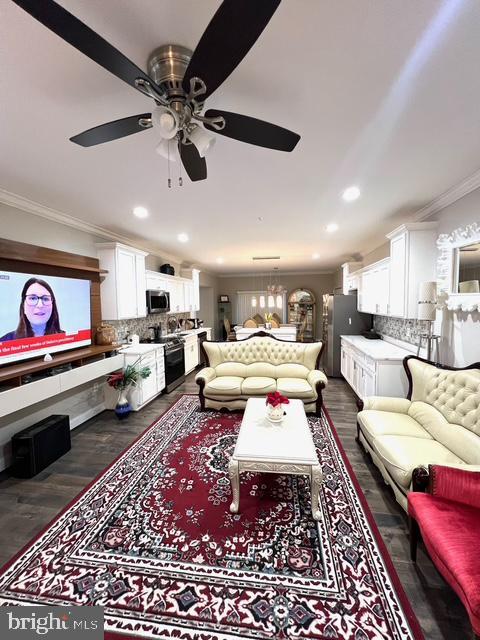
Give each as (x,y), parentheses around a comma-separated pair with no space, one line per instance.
(42,314)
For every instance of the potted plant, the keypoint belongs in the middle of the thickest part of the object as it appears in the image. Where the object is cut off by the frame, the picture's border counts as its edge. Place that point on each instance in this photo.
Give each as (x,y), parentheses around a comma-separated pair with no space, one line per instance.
(268,320)
(121,381)
(275,402)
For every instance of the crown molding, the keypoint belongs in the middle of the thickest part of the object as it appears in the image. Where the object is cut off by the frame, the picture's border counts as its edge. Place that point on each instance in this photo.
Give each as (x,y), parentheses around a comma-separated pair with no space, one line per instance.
(450,196)
(269,274)
(30,206)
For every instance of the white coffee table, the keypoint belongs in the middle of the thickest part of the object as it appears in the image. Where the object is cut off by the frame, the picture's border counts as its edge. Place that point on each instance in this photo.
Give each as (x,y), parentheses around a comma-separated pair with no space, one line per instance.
(275,448)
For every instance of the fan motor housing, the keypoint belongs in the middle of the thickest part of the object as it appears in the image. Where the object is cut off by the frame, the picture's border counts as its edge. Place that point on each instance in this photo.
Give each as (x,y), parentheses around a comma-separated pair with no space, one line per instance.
(167,66)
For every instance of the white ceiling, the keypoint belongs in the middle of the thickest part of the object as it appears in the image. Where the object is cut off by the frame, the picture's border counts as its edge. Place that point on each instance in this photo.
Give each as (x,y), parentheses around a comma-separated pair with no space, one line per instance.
(385,94)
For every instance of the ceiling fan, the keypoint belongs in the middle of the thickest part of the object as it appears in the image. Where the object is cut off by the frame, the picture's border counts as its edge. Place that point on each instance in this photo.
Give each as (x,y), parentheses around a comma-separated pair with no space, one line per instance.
(179,81)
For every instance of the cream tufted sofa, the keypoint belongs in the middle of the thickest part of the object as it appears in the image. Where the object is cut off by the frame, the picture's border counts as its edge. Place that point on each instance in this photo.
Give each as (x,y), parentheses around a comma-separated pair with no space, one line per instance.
(439,423)
(253,367)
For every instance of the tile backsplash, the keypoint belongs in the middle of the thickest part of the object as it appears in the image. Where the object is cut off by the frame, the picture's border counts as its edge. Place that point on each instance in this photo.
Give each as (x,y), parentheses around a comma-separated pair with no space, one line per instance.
(406,330)
(140,325)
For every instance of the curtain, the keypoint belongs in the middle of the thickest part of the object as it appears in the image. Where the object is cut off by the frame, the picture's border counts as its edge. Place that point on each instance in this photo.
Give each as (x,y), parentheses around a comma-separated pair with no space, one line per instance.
(244,308)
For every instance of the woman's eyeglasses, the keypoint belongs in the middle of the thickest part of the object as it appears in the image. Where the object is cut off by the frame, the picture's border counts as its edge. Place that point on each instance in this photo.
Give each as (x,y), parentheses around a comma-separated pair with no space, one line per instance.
(33,300)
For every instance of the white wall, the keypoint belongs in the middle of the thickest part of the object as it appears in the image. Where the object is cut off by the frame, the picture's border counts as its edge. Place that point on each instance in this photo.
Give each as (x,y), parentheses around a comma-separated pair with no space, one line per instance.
(21,226)
(460,330)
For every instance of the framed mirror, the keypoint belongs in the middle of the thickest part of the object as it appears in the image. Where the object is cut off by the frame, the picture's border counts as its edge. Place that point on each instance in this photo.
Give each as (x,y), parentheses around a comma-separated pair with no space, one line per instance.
(468,268)
(458,268)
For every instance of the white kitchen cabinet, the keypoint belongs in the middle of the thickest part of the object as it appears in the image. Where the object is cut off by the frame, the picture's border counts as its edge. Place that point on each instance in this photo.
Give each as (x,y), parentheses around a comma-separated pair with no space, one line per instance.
(192,276)
(188,296)
(373,367)
(148,388)
(413,256)
(191,352)
(350,273)
(373,289)
(196,289)
(184,292)
(177,296)
(123,287)
(156,281)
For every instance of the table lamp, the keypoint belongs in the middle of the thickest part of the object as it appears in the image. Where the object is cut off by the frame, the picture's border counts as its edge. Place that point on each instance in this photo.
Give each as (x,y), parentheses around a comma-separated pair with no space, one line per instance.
(427,308)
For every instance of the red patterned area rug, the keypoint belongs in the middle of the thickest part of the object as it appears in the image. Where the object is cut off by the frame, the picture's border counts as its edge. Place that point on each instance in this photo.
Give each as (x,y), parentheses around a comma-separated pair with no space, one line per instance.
(153,541)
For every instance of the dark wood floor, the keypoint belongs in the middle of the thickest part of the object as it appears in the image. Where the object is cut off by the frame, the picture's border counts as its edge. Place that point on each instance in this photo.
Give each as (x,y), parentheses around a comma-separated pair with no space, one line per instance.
(26,506)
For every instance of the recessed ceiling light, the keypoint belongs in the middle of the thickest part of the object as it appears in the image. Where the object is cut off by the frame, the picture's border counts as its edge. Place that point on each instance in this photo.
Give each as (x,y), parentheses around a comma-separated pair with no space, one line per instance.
(351,194)
(315,256)
(182,237)
(140,212)
(220,260)
(332,227)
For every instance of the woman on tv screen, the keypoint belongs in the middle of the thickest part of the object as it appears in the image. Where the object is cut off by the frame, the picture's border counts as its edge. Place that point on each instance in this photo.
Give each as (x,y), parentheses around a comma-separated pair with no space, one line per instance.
(38,313)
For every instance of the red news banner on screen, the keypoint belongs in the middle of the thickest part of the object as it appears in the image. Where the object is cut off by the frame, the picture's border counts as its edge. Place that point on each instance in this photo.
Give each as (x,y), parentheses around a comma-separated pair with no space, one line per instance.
(25,345)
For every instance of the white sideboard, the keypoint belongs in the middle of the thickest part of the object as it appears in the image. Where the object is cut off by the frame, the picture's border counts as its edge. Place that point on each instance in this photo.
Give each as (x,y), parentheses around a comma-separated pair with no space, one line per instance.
(287,333)
(373,367)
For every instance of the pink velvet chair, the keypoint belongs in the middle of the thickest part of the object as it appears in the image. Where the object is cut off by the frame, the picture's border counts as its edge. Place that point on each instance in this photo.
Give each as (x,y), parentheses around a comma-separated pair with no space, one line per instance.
(448,518)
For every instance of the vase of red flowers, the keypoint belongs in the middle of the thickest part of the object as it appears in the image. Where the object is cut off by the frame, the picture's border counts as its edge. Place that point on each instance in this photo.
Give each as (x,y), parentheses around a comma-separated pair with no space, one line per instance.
(122,381)
(275,402)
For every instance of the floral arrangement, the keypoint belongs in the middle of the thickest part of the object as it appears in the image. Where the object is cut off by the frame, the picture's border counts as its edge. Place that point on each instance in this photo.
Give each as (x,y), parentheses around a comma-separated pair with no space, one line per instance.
(122,380)
(275,399)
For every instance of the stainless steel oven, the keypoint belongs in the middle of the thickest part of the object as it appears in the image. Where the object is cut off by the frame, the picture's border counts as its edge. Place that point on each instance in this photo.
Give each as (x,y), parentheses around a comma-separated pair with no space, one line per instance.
(174,365)
(158,301)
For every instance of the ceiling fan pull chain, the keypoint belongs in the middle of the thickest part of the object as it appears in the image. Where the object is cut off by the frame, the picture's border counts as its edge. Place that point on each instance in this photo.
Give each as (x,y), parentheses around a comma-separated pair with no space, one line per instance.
(180,179)
(168,161)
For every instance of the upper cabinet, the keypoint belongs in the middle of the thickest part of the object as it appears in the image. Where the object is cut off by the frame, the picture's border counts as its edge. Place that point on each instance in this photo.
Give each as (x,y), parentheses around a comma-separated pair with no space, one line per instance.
(184,292)
(123,287)
(390,287)
(373,288)
(351,277)
(413,256)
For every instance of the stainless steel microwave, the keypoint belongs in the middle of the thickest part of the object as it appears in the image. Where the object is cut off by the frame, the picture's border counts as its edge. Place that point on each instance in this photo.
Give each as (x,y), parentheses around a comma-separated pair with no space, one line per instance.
(158,301)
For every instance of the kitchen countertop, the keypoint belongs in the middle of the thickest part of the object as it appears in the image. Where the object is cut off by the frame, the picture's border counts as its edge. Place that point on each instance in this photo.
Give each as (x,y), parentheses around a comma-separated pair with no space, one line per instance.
(185,333)
(377,349)
(140,349)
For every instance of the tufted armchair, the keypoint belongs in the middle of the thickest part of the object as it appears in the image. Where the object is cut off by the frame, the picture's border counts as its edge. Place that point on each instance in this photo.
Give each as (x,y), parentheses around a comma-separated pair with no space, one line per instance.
(439,423)
(253,367)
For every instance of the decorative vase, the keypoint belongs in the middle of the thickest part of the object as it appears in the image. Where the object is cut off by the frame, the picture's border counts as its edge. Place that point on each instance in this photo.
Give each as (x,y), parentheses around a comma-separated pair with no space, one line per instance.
(122,408)
(275,414)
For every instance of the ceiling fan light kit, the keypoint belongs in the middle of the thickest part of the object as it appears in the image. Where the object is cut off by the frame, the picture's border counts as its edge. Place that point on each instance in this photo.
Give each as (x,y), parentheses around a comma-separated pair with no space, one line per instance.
(179,81)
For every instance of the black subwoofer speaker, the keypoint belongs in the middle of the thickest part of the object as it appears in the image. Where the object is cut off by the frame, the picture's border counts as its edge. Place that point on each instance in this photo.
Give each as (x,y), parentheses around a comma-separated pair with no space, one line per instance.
(36,447)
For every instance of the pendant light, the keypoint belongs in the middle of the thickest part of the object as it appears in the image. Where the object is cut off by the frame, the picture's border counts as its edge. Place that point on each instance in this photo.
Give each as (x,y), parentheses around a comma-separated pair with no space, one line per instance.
(262,296)
(253,300)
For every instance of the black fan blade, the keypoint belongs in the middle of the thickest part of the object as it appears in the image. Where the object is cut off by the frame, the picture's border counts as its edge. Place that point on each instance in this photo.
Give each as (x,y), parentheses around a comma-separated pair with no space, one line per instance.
(253,131)
(231,34)
(194,164)
(111,131)
(72,30)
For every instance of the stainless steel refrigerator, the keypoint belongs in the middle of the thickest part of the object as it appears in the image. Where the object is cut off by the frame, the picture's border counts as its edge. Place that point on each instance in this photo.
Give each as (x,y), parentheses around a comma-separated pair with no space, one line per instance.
(340,318)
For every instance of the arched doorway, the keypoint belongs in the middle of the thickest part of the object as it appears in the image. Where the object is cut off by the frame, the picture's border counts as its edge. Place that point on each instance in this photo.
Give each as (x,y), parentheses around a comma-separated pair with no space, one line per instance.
(301,312)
